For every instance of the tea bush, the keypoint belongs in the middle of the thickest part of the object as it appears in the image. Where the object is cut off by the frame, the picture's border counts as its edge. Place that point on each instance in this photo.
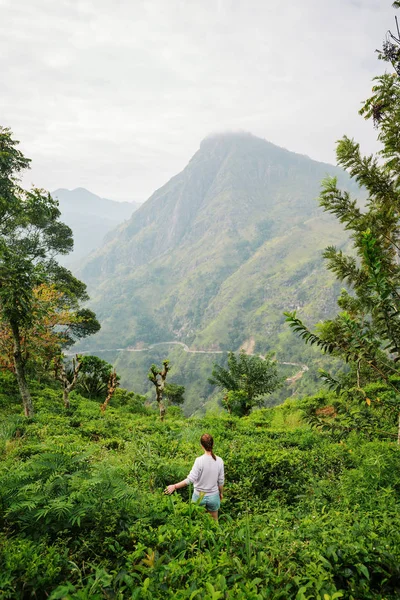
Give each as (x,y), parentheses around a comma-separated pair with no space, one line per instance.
(306,515)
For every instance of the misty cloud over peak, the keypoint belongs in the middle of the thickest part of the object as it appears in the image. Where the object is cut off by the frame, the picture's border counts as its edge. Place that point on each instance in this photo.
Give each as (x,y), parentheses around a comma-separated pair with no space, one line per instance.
(116,96)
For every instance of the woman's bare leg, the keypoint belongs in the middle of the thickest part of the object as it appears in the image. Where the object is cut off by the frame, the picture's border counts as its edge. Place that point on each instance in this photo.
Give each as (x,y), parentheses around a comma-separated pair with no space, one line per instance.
(214,514)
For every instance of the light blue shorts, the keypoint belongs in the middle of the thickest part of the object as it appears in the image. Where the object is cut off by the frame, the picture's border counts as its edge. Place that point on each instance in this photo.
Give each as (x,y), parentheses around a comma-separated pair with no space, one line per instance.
(211,503)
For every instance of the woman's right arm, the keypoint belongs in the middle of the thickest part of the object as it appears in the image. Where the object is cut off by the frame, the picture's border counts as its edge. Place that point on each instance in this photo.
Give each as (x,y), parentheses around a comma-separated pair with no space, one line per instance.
(191,478)
(221,480)
(175,486)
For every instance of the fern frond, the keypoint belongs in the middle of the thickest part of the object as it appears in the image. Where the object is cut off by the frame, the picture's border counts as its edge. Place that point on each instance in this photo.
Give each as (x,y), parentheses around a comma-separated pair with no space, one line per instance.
(333,384)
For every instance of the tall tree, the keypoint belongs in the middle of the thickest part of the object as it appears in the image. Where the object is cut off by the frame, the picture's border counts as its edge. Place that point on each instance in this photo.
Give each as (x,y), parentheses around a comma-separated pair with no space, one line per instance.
(31,236)
(367,330)
(57,321)
(246,381)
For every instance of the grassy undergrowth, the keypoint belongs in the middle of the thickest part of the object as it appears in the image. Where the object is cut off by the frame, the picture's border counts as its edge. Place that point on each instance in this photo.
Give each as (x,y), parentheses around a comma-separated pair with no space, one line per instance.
(83,516)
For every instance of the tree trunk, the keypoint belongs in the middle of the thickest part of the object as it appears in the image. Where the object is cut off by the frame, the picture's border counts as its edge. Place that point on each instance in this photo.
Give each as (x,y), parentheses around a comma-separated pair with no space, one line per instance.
(159,395)
(398,432)
(61,375)
(158,379)
(111,387)
(247,406)
(162,410)
(20,372)
(227,405)
(66,397)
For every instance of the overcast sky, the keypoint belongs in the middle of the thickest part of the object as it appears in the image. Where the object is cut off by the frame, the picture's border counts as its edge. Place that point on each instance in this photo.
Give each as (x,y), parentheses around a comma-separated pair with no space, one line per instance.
(116,95)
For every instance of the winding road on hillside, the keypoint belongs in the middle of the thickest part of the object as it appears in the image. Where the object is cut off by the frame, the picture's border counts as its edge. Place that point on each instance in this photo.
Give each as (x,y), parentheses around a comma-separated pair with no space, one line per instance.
(186,348)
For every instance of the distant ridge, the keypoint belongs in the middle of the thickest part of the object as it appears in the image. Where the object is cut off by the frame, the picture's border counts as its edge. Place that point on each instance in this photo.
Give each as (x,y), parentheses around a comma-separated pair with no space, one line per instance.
(83,201)
(90,217)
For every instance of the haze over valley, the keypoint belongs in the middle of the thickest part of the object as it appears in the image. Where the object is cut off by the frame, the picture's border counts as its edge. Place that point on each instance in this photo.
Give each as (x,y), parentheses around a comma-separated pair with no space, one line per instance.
(213,259)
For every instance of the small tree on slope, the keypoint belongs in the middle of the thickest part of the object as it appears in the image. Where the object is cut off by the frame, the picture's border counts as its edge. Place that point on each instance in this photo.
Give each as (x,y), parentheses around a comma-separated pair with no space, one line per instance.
(157,376)
(246,381)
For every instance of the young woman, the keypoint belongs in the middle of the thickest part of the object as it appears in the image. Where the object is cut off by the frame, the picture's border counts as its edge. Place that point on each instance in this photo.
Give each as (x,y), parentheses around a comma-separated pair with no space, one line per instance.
(207,476)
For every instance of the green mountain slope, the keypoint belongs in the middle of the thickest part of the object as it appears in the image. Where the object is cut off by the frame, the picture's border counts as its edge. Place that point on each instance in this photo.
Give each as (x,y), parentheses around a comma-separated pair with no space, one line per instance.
(90,217)
(216,255)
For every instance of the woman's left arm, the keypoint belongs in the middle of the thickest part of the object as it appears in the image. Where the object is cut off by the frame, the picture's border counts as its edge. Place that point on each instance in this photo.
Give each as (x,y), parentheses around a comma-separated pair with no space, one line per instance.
(175,486)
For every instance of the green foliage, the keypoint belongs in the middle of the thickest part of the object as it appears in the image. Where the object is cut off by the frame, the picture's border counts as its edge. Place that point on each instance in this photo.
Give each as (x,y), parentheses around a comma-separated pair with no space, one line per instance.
(369,411)
(85,324)
(367,332)
(93,377)
(306,514)
(133,402)
(174,393)
(156,371)
(31,235)
(189,370)
(246,380)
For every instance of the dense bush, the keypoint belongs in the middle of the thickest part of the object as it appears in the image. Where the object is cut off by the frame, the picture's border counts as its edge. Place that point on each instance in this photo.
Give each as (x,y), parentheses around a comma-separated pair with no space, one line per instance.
(305,515)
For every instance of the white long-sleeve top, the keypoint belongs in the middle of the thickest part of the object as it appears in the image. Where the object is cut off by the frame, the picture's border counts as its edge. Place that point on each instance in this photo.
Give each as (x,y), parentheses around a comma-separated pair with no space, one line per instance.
(207,474)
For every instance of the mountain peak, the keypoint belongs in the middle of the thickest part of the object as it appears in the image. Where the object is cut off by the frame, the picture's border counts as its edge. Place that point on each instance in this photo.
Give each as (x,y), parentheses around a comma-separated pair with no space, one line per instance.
(228,136)
(234,139)
(80,192)
(234,181)
(245,143)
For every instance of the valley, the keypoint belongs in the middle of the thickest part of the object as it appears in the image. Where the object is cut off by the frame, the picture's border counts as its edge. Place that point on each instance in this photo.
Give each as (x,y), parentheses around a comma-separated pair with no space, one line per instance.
(215,257)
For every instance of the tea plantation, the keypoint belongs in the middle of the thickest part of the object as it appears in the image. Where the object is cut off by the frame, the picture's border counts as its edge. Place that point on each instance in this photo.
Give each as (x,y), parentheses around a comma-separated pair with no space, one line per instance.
(307,513)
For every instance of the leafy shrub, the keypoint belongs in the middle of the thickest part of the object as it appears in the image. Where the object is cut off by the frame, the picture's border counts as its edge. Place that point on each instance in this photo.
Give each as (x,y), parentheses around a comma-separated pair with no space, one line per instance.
(305,514)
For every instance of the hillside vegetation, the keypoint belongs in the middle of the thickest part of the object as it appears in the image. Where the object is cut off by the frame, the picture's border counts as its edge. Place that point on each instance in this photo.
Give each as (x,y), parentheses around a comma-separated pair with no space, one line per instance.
(306,514)
(193,370)
(215,256)
(213,259)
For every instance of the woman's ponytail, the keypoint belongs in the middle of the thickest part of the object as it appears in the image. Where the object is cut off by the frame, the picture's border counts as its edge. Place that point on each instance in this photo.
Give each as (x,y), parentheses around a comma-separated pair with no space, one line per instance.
(207,442)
